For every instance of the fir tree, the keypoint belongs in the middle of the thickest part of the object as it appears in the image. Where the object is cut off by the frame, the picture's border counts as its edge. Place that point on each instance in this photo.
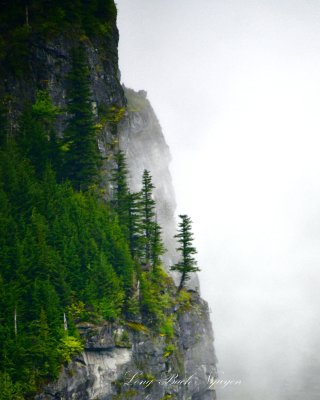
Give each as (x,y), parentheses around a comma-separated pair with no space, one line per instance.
(37,137)
(121,191)
(32,140)
(82,158)
(187,264)
(135,225)
(157,247)
(148,214)
(45,113)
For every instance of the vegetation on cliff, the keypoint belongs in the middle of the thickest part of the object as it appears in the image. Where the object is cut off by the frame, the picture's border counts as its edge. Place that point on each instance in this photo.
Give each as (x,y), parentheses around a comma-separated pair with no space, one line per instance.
(67,255)
(65,252)
(188,263)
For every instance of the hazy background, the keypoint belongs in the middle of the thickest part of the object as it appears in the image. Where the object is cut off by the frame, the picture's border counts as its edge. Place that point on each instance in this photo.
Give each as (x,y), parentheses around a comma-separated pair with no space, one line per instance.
(236,87)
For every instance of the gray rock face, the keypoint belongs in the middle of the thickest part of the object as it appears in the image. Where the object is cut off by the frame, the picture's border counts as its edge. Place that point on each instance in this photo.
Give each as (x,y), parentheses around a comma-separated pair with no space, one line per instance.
(49,63)
(142,140)
(142,368)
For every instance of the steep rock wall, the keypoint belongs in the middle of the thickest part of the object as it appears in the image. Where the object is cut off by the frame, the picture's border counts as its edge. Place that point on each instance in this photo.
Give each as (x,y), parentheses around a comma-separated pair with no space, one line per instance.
(101,371)
(139,366)
(47,66)
(142,140)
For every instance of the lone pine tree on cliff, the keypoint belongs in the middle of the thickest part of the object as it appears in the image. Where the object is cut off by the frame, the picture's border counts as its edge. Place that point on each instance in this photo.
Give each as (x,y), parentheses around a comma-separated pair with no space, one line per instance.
(187,263)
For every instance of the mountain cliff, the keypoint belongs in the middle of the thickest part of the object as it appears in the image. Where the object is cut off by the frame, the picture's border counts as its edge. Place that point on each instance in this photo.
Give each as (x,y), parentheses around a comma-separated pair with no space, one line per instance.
(142,365)
(122,356)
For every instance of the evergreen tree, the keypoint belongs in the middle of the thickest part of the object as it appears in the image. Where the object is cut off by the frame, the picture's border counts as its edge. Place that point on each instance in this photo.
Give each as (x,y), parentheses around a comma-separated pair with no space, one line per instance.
(157,247)
(187,264)
(45,113)
(121,191)
(148,215)
(32,140)
(37,138)
(82,158)
(135,225)
(105,290)
(151,239)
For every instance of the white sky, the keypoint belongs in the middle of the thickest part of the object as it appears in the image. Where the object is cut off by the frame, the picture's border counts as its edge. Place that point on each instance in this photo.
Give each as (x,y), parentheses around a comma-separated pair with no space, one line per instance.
(236,87)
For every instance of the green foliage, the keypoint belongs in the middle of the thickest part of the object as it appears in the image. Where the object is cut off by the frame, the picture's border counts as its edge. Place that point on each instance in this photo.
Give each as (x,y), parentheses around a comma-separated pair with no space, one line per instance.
(167,397)
(77,311)
(135,225)
(107,296)
(137,215)
(15,47)
(122,339)
(44,109)
(51,18)
(67,256)
(169,349)
(138,327)
(152,243)
(121,190)
(9,390)
(82,158)
(37,139)
(148,213)
(167,327)
(156,295)
(184,300)
(68,347)
(157,246)
(111,116)
(187,264)
(61,251)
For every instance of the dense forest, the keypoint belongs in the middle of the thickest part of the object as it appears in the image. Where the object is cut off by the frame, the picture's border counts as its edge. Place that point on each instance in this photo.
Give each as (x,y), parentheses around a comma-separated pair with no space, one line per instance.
(68,252)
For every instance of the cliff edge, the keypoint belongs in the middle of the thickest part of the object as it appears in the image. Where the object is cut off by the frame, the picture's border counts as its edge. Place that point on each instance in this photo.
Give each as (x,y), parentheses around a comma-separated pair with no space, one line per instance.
(127,358)
(130,362)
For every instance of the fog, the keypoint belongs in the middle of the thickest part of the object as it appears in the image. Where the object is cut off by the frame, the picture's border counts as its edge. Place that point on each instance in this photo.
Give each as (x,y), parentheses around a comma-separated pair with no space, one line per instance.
(236,87)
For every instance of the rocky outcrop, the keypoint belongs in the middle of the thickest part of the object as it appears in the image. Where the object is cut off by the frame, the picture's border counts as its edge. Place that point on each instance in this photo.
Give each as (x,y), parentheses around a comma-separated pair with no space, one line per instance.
(47,66)
(131,361)
(142,140)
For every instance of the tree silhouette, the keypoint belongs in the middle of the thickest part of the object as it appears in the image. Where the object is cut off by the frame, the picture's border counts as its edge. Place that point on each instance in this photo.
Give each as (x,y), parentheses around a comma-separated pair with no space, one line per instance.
(187,264)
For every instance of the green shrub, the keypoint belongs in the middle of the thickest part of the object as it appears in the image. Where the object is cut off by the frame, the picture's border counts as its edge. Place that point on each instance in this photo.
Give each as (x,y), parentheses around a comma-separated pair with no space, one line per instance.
(169,349)
(69,346)
(184,300)
(167,327)
(9,390)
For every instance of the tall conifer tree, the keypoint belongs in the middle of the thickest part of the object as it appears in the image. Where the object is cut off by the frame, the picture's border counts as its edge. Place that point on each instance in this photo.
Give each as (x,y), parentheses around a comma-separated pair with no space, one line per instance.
(188,263)
(152,243)
(82,159)
(135,225)
(148,214)
(121,191)
(157,247)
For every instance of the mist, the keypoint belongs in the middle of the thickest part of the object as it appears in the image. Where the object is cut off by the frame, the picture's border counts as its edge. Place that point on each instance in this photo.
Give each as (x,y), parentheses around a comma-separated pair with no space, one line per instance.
(236,87)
